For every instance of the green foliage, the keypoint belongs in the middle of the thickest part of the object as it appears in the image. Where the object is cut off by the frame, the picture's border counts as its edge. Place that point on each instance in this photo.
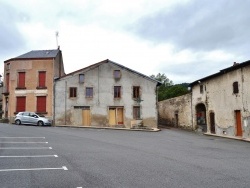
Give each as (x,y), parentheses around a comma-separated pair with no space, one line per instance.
(168,90)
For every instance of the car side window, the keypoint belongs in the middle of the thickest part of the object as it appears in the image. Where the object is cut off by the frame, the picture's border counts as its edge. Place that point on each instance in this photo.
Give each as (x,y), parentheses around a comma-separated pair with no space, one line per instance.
(26,114)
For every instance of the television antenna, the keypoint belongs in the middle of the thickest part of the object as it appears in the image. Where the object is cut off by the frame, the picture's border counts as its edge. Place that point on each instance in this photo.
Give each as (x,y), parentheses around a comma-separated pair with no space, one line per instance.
(57,35)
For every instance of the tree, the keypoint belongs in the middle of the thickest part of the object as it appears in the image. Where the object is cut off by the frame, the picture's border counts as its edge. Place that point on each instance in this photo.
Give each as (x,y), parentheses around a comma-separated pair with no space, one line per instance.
(168,90)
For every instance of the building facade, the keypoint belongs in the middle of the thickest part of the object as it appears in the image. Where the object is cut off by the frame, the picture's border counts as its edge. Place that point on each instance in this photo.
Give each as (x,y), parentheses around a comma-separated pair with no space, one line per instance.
(221,102)
(106,94)
(29,82)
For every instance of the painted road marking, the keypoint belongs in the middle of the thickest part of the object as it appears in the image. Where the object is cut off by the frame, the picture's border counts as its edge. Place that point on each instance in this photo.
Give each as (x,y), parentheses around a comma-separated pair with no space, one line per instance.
(30,169)
(29,156)
(25,148)
(24,142)
(23,137)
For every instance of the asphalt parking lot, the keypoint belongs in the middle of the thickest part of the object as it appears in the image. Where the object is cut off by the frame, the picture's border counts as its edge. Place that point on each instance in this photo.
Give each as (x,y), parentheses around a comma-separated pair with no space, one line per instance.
(32,156)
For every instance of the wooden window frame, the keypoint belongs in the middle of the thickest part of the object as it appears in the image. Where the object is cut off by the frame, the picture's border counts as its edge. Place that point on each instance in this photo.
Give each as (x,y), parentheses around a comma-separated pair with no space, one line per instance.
(117,74)
(136,112)
(89,89)
(117,92)
(235,88)
(18,104)
(39,109)
(81,78)
(136,92)
(72,92)
(43,85)
(20,82)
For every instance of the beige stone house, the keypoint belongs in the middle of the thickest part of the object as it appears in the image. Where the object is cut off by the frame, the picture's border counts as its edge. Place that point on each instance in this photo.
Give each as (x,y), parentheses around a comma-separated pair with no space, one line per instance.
(29,82)
(106,94)
(218,104)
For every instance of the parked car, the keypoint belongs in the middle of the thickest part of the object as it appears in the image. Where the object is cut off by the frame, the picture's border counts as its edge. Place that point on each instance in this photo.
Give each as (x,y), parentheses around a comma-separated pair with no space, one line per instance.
(31,118)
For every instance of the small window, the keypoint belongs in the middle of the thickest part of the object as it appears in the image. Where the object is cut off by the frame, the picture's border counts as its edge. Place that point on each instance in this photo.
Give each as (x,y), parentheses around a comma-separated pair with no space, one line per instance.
(201,89)
(117,74)
(136,112)
(81,78)
(117,91)
(235,87)
(136,92)
(89,92)
(72,92)
(8,66)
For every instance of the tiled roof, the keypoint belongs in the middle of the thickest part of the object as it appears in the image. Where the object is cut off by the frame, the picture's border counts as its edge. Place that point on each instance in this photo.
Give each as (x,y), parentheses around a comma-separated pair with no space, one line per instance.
(39,54)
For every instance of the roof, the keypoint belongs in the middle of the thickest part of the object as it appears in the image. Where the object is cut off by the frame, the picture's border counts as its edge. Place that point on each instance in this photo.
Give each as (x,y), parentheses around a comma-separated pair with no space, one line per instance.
(37,54)
(119,65)
(223,71)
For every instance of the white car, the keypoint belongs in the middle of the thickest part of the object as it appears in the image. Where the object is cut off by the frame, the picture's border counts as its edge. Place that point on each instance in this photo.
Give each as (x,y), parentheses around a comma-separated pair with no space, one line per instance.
(31,118)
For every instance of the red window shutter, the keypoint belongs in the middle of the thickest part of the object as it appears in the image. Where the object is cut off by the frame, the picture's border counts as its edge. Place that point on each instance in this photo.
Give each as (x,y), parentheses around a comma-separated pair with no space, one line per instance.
(20,104)
(21,79)
(41,104)
(42,79)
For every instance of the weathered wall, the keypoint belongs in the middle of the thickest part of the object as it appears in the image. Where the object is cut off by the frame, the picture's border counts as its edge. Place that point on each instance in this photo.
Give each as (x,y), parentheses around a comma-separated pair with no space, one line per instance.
(176,112)
(218,97)
(102,80)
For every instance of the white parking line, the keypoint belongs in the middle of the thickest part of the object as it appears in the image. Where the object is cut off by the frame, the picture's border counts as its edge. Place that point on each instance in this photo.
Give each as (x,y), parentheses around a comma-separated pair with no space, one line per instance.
(24,142)
(28,156)
(30,169)
(25,148)
(23,137)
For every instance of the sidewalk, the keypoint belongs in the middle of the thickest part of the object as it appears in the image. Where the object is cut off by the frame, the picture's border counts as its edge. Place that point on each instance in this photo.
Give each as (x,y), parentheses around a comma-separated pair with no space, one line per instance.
(111,128)
(229,137)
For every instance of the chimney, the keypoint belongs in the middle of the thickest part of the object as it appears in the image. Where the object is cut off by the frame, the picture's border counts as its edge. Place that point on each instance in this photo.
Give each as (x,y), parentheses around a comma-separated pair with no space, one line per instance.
(235,64)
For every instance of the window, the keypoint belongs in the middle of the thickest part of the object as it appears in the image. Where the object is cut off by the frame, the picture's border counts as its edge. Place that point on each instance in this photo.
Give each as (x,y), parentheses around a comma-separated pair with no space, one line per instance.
(136,92)
(7,82)
(21,80)
(117,91)
(8,66)
(117,74)
(41,79)
(136,112)
(81,78)
(41,104)
(201,89)
(89,92)
(72,91)
(20,104)
(235,87)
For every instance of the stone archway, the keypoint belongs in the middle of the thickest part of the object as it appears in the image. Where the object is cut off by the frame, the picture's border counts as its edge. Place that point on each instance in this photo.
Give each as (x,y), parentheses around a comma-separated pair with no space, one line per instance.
(201,119)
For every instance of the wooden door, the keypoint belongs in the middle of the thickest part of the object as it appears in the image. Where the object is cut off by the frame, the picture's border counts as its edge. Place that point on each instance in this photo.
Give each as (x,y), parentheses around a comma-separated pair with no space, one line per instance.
(86,117)
(212,122)
(120,116)
(238,123)
(112,116)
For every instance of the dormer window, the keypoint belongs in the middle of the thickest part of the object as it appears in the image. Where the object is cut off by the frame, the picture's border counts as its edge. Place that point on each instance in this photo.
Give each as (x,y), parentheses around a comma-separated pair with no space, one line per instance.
(117,74)
(81,78)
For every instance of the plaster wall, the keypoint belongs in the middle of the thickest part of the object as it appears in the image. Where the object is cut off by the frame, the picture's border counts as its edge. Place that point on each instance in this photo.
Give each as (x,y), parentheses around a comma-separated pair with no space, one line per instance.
(102,80)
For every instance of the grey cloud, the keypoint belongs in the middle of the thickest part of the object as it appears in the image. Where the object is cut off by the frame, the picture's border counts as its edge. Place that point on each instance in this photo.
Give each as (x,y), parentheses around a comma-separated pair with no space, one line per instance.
(10,38)
(199,25)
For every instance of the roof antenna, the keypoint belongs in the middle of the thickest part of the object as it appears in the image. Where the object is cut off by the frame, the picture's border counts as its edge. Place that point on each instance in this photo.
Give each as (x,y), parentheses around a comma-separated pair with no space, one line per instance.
(57,35)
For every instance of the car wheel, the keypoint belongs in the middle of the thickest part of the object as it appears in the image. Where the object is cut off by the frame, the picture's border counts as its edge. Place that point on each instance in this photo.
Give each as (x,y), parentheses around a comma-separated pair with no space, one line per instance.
(18,122)
(40,123)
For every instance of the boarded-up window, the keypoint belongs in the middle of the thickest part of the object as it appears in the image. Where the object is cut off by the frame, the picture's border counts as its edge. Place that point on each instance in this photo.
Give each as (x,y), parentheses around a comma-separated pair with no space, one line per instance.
(235,87)
(89,92)
(117,74)
(21,80)
(20,104)
(81,78)
(72,92)
(41,104)
(136,112)
(117,91)
(136,92)
(42,79)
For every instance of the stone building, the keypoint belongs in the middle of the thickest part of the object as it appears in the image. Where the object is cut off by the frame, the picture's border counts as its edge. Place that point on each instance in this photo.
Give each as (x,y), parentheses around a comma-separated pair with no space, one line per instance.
(106,94)
(29,82)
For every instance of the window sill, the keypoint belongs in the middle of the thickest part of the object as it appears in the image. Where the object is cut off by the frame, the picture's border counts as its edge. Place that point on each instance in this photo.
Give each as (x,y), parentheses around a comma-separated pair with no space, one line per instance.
(41,87)
(20,88)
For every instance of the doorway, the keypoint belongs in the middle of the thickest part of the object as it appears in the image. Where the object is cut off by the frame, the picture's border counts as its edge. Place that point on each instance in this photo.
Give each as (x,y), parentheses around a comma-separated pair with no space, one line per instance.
(212,122)
(201,118)
(116,116)
(86,121)
(238,123)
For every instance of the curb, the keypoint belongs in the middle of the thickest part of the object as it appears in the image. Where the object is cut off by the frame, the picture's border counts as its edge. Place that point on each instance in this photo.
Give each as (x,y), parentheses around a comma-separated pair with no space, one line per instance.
(228,137)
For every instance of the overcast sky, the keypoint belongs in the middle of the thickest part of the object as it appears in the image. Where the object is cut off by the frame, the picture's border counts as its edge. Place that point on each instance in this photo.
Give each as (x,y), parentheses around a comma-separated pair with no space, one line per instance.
(185,39)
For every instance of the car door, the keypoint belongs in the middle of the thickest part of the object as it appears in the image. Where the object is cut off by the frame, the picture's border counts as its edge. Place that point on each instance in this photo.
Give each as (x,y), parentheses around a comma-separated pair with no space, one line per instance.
(33,118)
(25,118)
